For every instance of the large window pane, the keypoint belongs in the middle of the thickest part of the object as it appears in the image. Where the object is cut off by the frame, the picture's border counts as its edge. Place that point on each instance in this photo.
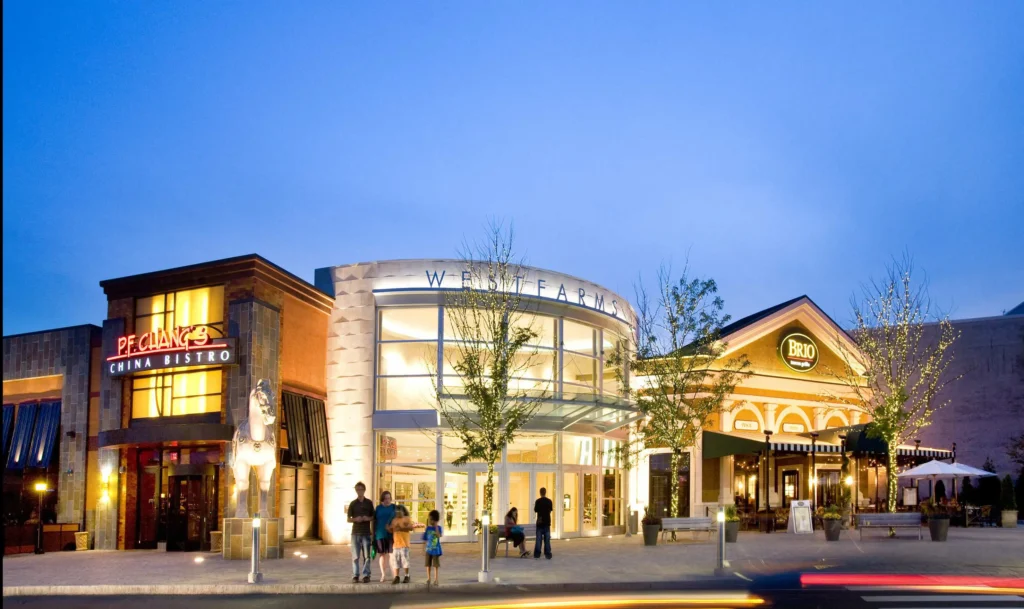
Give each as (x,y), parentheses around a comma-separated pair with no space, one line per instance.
(518,497)
(177,394)
(477,323)
(577,450)
(406,393)
(407,447)
(542,327)
(532,448)
(408,323)
(456,503)
(403,359)
(612,499)
(415,487)
(579,338)
(452,448)
(579,369)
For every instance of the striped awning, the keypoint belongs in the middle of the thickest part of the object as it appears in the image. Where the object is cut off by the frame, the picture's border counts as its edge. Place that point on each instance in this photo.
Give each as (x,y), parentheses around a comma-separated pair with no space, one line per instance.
(45,435)
(25,420)
(719,444)
(8,421)
(930,453)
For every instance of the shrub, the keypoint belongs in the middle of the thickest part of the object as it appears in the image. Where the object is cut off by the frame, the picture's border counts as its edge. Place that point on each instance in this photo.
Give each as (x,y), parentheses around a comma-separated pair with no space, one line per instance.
(967,496)
(650,519)
(832,513)
(1020,494)
(1007,500)
(940,491)
(731,515)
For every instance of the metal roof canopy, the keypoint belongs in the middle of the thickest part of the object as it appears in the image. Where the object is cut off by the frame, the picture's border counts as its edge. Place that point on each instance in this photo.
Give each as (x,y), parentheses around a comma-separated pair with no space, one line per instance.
(858,440)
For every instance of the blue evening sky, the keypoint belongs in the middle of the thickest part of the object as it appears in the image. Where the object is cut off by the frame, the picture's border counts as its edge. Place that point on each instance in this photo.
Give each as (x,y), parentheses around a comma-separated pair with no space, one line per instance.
(787,148)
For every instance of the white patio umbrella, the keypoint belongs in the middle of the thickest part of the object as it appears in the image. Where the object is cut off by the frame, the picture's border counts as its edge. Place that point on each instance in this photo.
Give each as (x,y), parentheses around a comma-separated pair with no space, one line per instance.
(933,469)
(967,470)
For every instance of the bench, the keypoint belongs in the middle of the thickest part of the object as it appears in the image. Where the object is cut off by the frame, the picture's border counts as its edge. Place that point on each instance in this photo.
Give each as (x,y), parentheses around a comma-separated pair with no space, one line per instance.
(901,520)
(687,524)
(529,532)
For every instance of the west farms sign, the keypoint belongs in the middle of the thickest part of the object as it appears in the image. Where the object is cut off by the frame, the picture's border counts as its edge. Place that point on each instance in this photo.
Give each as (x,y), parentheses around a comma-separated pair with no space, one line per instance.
(170,348)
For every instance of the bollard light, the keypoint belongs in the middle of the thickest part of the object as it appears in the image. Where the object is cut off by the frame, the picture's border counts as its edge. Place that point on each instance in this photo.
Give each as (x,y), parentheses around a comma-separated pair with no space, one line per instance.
(721,563)
(40,488)
(484,576)
(255,576)
(256,522)
(849,481)
(721,516)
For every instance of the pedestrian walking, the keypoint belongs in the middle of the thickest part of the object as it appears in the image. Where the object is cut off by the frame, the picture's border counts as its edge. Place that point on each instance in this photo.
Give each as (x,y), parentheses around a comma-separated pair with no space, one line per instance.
(543,508)
(514,532)
(401,526)
(360,514)
(432,547)
(383,539)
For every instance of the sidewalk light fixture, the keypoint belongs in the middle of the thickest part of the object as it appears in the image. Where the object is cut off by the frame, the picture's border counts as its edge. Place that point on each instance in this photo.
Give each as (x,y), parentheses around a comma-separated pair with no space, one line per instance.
(484,576)
(255,576)
(40,488)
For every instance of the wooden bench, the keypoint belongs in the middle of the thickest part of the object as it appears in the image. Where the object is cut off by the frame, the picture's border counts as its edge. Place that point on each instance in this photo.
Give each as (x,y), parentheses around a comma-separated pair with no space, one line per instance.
(529,532)
(901,520)
(671,525)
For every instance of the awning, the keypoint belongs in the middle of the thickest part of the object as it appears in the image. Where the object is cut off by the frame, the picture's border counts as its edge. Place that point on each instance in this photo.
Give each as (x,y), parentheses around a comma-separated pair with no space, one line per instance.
(858,440)
(45,434)
(579,413)
(24,421)
(306,426)
(718,444)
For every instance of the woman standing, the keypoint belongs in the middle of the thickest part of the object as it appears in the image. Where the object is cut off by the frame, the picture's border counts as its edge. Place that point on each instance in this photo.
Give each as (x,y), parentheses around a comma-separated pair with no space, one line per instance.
(383,539)
(514,532)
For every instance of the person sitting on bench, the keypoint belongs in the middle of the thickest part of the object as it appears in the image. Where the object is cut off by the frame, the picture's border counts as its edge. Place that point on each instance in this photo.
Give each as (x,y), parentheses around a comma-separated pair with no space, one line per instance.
(514,532)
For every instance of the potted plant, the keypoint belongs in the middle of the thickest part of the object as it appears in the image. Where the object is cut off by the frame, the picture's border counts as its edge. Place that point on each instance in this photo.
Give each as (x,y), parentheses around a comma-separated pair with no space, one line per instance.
(832,517)
(492,539)
(1009,504)
(732,524)
(652,526)
(938,521)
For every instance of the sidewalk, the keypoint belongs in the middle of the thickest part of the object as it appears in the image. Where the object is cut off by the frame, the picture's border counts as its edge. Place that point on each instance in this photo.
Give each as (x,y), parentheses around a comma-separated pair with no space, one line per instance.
(579,564)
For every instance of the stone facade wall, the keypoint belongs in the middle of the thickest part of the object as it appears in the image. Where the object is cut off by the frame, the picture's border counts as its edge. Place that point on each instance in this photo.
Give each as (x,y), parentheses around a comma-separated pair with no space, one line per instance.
(257,326)
(987,405)
(66,352)
(111,398)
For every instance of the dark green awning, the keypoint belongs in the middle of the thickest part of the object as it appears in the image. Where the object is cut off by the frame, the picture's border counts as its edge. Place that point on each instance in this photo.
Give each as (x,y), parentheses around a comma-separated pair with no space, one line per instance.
(722,445)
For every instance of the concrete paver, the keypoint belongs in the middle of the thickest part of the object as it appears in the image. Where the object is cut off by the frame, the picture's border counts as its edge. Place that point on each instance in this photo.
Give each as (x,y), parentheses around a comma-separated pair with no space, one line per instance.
(577,562)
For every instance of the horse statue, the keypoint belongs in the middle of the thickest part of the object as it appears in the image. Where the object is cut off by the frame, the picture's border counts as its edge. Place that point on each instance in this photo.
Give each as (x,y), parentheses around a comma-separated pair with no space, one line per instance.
(255,445)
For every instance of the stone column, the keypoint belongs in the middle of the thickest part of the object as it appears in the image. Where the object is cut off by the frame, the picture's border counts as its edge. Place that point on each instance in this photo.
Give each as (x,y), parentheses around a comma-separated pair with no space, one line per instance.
(726,419)
(854,417)
(109,459)
(819,417)
(257,326)
(769,417)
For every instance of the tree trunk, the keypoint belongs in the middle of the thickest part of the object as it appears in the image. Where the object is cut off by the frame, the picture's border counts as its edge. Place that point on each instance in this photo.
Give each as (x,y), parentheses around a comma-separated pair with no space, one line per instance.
(892,482)
(489,490)
(673,487)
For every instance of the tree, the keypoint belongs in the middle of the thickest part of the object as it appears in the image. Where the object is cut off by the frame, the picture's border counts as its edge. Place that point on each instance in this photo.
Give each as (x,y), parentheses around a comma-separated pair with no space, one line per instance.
(902,365)
(940,491)
(1015,450)
(968,496)
(988,486)
(677,360)
(1019,492)
(481,396)
(1007,502)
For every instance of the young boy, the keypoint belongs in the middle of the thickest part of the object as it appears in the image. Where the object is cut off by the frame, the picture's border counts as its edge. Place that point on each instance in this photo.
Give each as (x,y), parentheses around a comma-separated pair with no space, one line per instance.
(400,527)
(432,537)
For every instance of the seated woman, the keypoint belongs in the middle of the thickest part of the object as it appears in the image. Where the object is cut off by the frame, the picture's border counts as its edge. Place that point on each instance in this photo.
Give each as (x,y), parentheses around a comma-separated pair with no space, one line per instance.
(514,532)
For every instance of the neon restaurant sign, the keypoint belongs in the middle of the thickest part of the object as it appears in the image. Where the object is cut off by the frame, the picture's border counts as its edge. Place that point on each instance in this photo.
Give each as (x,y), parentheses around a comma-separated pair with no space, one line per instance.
(798,351)
(170,348)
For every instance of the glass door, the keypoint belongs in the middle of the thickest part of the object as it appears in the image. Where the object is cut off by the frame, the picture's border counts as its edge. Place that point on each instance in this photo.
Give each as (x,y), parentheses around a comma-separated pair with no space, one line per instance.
(457,499)
(591,494)
(570,504)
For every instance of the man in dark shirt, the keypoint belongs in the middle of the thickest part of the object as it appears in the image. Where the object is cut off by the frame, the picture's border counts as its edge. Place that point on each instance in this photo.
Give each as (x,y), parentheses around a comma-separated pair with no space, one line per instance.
(543,507)
(360,514)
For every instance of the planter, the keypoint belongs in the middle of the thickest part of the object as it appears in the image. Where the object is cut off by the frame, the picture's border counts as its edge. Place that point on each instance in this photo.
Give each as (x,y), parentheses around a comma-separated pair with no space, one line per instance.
(82,540)
(651,532)
(847,518)
(938,528)
(1009,519)
(732,531)
(832,529)
(492,545)
(216,541)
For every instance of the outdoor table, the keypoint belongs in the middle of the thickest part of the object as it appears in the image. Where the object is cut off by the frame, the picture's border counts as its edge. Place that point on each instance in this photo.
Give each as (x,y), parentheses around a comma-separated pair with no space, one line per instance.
(766,521)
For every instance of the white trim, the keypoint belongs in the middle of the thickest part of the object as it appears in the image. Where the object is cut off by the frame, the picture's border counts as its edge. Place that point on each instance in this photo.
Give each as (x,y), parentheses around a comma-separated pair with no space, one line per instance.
(780,417)
(757,413)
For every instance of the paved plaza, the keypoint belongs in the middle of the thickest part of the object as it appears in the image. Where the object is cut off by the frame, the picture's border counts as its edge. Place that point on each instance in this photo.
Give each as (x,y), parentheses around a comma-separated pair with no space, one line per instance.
(578,563)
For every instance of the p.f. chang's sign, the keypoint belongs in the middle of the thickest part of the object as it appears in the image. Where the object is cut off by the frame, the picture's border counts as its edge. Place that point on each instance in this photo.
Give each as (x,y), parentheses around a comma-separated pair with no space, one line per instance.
(798,351)
(170,348)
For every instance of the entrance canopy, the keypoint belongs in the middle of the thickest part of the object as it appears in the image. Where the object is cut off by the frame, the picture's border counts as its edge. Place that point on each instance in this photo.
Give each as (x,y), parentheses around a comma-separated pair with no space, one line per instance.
(718,444)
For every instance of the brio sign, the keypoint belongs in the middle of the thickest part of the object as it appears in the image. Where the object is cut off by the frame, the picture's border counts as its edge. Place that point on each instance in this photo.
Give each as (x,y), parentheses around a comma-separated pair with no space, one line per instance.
(169,348)
(798,351)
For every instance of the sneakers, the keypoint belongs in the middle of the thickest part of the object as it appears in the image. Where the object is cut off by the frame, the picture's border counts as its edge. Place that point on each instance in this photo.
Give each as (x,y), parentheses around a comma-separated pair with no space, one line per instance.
(355,580)
(397,580)
(366,579)
(404,581)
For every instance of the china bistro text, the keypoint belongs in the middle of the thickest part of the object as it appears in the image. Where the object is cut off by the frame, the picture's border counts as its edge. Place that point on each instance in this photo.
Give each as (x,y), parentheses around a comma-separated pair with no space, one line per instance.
(163,348)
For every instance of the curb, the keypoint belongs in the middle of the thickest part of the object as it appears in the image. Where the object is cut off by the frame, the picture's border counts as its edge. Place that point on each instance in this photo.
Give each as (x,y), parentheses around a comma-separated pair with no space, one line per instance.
(317,589)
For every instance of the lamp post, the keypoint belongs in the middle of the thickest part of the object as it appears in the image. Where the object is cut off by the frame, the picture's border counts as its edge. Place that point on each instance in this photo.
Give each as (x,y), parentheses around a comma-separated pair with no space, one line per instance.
(255,576)
(814,471)
(767,468)
(40,488)
(485,558)
(721,563)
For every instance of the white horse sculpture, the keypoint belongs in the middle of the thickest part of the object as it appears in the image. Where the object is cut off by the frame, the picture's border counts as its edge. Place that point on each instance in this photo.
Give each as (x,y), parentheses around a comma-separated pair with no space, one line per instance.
(255,445)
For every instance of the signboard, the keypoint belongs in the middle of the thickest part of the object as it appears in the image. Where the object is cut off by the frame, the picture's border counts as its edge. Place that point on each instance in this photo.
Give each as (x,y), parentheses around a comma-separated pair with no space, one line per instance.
(792,428)
(798,352)
(800,518)
(388,448)
(746,425)
(170,348)
(910,495)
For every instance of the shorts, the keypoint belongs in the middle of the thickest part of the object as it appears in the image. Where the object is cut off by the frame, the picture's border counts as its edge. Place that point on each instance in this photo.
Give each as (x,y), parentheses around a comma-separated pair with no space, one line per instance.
(400,558)
(383,546)
(433,561)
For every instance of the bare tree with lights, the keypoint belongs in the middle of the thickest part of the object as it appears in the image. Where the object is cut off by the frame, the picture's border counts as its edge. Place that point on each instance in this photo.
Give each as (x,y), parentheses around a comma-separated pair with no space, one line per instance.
(483,397)
(902,368)
(679,378)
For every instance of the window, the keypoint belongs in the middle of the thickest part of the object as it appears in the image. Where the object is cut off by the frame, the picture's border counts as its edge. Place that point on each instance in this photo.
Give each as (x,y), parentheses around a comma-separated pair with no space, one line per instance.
(406,358)
(532,448)
(611,508)
(199,306)
(577,450)
(579,359)
(181,393)
(407,467)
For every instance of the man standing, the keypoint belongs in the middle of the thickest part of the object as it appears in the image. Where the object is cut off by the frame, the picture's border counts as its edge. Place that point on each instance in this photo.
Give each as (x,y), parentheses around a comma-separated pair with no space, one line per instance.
(360,514)
(543,507)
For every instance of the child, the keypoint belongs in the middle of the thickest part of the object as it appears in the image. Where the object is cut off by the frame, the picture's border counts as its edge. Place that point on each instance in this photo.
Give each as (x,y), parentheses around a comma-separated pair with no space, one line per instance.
(401,526)
(432,537)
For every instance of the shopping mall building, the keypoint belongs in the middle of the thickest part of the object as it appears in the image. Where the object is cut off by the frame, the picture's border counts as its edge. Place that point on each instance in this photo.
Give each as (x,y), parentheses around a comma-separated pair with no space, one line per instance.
(130,423)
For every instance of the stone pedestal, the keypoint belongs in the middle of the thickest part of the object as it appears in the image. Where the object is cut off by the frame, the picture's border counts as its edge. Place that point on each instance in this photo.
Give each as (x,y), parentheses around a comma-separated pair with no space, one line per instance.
(216,541)
(237,538)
